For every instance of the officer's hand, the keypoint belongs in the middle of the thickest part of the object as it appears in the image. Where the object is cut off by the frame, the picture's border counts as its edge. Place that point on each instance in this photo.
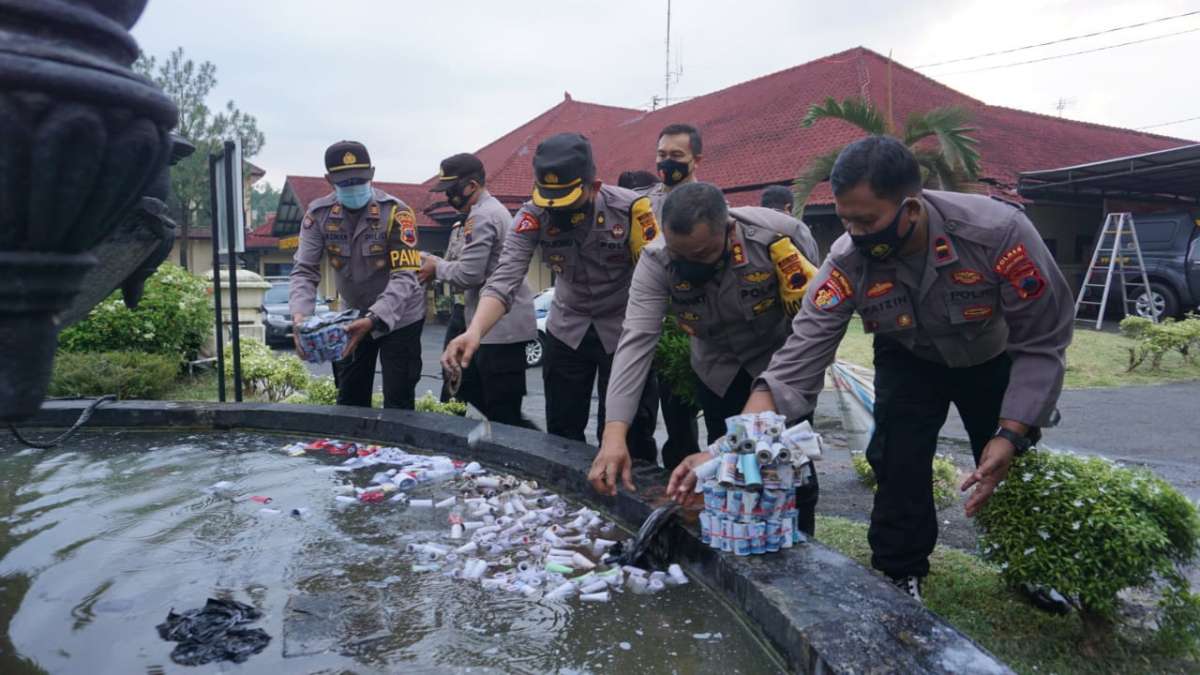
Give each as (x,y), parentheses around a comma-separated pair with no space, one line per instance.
(612,462)
(459,352)
(993,467)
(297,319)
(358,329)
(682,485)
(428,271)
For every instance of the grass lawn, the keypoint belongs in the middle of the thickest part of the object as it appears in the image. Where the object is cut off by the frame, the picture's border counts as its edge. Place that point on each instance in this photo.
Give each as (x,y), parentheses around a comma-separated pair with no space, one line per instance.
(969,594)
(1094,359)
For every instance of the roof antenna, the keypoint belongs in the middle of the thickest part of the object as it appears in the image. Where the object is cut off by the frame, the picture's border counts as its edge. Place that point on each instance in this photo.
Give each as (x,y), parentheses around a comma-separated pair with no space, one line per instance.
(667,77)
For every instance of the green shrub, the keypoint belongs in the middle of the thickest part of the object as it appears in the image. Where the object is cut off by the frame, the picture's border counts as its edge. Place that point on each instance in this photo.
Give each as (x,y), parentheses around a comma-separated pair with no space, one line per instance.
(1153,341)
(673,360)
(1090,529)
(173,318)
(430,403)
(125,374)
(945,477)
(266,374)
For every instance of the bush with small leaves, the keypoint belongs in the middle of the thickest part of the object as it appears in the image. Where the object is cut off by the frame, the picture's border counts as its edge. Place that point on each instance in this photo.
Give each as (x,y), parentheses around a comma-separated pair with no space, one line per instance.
(174,317)
(1090,529)
(124,374)
(1154,341)
(945,477)
(430,403)
(266,374)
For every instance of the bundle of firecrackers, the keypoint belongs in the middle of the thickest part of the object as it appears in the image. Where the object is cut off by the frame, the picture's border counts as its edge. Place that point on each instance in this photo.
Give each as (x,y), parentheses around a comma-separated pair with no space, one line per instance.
(505,534)
(324,338)
(749,484)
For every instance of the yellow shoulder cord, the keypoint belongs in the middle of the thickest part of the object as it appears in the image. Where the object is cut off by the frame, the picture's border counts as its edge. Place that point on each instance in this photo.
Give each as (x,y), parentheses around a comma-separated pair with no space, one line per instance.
(794,272)
(643,226)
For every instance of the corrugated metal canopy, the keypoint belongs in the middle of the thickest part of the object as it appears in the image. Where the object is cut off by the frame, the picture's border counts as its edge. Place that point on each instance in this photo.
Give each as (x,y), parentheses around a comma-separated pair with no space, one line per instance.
(1172,175)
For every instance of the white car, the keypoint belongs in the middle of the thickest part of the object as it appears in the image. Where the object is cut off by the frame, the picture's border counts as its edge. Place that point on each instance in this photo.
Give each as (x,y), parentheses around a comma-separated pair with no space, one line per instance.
(535,349)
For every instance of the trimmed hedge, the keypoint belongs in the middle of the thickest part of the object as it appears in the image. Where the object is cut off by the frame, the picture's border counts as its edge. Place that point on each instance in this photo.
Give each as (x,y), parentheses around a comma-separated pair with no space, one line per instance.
(126,374)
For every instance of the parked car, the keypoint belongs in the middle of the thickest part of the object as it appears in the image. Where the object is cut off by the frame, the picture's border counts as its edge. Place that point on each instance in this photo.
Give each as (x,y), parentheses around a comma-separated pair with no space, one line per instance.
(276,317)
(1170,244)
(534,349)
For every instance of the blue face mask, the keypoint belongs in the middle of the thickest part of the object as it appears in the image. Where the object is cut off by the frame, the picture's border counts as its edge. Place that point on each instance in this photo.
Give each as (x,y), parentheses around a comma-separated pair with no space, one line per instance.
(354,197)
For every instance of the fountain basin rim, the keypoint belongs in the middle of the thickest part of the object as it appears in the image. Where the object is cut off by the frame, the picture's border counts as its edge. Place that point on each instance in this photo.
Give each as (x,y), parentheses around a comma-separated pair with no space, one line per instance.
(821,611)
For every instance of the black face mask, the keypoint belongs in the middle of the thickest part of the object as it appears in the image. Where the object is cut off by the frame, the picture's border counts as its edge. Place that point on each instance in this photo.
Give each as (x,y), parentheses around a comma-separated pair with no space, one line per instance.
(885,243)
(673,172)
(567,219)
(697,273)
(456,196)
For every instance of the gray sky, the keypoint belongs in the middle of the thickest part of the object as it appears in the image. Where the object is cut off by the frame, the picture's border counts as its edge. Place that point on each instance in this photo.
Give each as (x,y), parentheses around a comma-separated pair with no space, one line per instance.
(417,82)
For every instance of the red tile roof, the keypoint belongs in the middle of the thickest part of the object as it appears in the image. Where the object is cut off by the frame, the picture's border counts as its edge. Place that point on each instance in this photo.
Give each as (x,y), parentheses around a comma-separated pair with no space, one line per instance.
(752,133)
(753,138)
(261,237)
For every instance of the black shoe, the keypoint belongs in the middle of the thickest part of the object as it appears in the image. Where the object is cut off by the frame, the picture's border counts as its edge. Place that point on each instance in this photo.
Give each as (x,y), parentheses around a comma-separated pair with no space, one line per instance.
(910,586)
(1045,598)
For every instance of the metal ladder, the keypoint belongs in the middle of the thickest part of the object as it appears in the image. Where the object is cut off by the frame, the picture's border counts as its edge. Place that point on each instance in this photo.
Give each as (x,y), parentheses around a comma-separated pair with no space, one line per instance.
(1117,236)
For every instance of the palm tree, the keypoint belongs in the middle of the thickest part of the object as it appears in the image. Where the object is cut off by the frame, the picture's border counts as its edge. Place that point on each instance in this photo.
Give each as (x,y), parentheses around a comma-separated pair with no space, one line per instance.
(954,162)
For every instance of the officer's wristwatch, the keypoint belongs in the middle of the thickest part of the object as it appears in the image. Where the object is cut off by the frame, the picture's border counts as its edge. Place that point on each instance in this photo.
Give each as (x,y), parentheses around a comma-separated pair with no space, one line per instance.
(377,323)
(1020,442)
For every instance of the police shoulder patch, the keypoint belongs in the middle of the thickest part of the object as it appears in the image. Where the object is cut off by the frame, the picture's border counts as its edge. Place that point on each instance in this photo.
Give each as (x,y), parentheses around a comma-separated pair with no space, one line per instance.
(642,213)
(527,223)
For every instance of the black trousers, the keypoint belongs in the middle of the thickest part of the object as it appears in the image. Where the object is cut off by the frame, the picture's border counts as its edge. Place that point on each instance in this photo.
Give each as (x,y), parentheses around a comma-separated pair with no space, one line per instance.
(569,375)
(495,383)
(717,408)
(457,326)
(679,416)
(400,354)
(912,398)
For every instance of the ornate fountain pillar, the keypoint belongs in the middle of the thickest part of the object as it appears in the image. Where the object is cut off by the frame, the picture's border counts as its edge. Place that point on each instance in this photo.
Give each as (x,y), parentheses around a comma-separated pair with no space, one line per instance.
(84,146)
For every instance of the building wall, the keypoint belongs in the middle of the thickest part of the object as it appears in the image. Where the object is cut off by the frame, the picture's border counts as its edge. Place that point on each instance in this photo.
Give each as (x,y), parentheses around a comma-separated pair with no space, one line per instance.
(1069,232)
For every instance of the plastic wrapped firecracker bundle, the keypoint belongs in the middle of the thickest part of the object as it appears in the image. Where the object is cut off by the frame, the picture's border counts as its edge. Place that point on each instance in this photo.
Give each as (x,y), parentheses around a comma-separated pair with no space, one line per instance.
(324,338)
(749,484)
(502,533)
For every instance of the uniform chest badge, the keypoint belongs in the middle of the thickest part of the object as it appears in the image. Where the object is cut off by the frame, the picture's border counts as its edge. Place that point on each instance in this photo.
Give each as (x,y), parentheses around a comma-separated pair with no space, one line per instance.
(880,289)
(468,229)
(904,321)
(977,312)
(686,328)
(335,210)
(556,258)
(762,306)
(941,249)
(966,277)
(599,218)
(618,229)
(683,286)
(738,254)
(373,210)
(689,316)
(756,277)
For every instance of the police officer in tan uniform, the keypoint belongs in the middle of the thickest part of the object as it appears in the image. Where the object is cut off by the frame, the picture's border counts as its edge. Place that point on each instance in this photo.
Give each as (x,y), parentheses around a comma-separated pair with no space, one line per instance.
(495,380)
(590,235)
(967,307)
(458,308)
(732,279)
(679,153)
(370,238)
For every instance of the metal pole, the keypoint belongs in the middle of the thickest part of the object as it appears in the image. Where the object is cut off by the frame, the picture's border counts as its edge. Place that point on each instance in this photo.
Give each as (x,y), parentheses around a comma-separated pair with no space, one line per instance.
(230,247)
(667,77)
(216,270)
